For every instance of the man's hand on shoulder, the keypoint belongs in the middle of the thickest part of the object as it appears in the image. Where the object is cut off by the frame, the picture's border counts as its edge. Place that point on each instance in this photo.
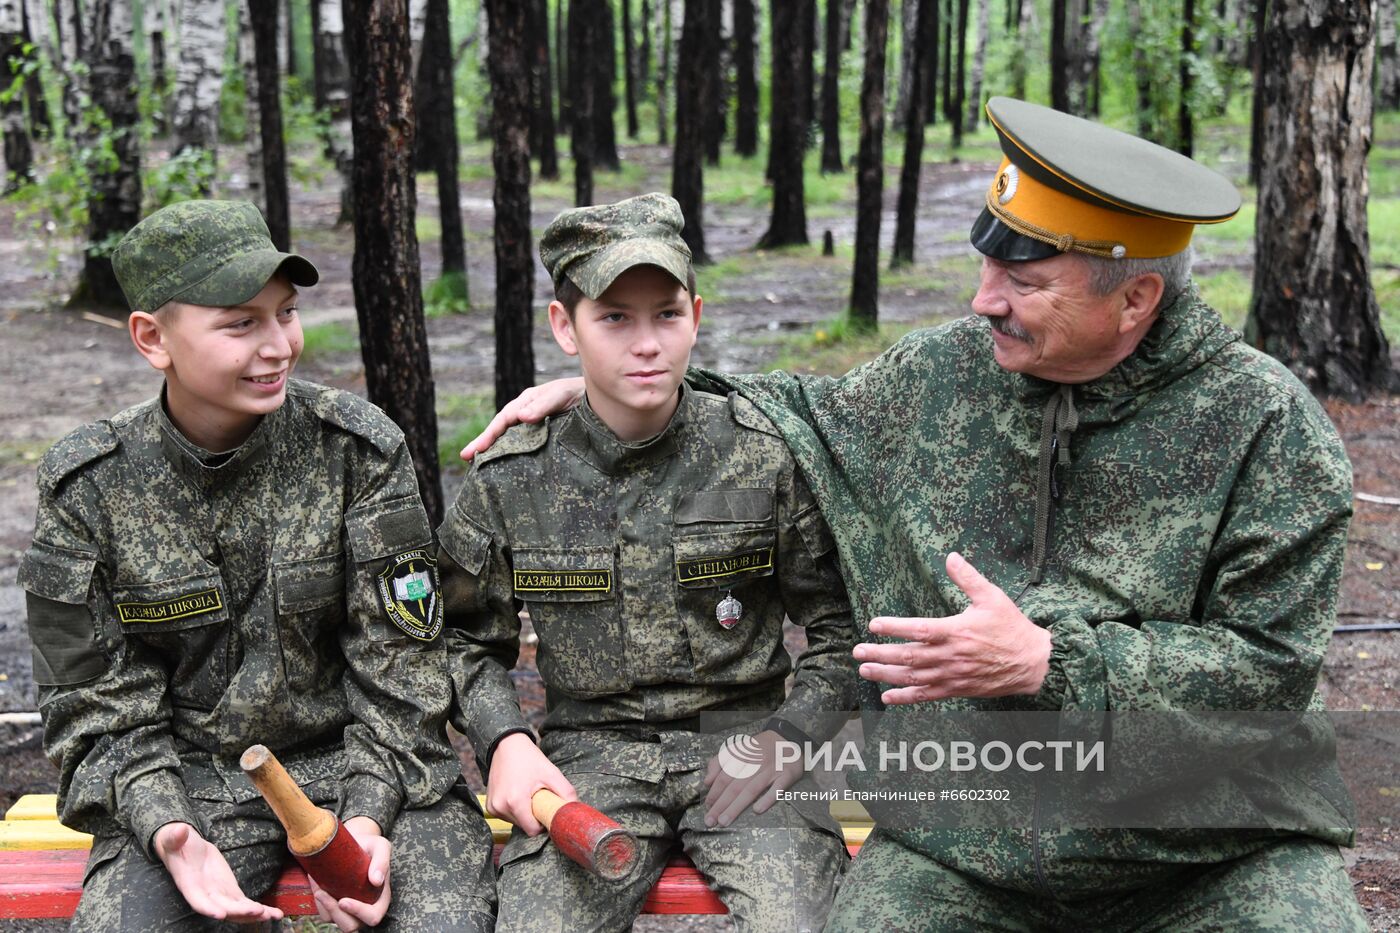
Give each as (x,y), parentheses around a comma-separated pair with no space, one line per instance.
(990,649)
(518,769)
(204,877)
(347,913)
(534,404)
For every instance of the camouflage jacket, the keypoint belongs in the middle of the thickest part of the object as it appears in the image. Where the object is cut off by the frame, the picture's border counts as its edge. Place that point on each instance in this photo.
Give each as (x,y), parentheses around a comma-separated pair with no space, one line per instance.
(1197,523)
(181,611)
(622,553)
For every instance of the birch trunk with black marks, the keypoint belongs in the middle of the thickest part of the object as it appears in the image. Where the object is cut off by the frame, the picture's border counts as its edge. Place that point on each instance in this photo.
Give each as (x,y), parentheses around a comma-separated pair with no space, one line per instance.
(199,78)
(334,97)
(385,269)
(1313,307)
(100,34)
(510,158)
(979,66)
(19,152)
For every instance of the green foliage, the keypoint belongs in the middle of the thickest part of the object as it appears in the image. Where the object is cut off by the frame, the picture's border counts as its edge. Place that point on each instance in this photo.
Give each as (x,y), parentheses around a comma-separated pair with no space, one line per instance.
(461,418)
(185,175)
(329,339)
(447,295)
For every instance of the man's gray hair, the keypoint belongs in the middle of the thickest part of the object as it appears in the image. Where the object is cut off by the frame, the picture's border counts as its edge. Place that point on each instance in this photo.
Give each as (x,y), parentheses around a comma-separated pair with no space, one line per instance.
(1107,274)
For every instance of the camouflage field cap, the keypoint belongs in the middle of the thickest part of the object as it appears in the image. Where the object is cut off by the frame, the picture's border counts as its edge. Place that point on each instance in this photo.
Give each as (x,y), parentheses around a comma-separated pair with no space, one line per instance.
(212,253)
(1069,184)
(594,245)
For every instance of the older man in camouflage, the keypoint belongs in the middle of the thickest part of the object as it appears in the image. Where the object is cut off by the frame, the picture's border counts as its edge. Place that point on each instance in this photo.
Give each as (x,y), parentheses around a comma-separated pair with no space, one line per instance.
(1092,496)
(234,562)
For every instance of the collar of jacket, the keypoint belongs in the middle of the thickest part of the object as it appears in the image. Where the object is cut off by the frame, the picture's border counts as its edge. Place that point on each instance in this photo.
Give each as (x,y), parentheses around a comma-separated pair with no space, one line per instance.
(205,469)
(585,434)
(1185,335)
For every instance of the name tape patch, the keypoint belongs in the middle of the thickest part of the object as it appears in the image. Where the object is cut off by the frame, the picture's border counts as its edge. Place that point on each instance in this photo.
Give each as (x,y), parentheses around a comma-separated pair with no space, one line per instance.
(571,581)
(168,610)
(730,565)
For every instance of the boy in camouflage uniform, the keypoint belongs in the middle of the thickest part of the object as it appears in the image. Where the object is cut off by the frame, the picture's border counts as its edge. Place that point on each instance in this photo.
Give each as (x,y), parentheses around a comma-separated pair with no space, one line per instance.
(658,536)
(229,564)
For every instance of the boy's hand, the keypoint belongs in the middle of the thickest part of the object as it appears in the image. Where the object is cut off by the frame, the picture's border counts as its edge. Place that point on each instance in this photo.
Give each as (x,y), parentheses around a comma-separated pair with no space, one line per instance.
(347,913)
(534,404)
(203,876)
(729,796)
(518,769)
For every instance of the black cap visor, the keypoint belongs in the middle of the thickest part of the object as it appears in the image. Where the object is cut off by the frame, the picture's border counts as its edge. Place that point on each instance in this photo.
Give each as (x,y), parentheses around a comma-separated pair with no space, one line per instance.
(993,238)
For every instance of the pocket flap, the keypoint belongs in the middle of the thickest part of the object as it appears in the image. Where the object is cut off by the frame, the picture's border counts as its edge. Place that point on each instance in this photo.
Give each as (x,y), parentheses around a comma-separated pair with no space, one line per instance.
(583,574)
(384,528)
(725,505)
(465,542)
(56,573)
(724,558)
(309,584)
(171,605)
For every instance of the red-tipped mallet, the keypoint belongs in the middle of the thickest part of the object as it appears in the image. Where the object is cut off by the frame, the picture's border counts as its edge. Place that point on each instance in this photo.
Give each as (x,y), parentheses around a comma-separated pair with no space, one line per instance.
(595,841)
(316,838)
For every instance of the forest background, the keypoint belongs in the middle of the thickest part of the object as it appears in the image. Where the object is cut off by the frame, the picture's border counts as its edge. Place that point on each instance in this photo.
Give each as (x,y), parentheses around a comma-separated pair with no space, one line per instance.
(830,155)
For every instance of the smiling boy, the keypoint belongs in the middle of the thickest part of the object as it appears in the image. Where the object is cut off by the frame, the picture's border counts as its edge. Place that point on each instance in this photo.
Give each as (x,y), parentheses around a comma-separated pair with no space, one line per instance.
(658,536)
(215,568)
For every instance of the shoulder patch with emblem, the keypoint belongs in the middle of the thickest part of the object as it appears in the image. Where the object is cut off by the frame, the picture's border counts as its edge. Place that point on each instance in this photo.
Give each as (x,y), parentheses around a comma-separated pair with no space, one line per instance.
(408,590)
(77,449)
(520,439)
(747,414)
(349,412)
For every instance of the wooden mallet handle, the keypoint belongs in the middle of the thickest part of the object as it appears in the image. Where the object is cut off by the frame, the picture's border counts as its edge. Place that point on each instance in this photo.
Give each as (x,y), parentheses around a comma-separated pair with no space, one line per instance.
(586,835)
(316,838)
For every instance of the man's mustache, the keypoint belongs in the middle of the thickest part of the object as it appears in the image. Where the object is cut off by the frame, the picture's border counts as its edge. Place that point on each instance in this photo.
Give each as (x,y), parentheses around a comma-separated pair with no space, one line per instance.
(1006,327)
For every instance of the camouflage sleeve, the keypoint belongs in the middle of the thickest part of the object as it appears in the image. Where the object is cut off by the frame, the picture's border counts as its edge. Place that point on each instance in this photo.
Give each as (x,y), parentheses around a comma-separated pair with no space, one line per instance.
(396,749)
(103,699)
(483,622)
(1266,603)
(815,598)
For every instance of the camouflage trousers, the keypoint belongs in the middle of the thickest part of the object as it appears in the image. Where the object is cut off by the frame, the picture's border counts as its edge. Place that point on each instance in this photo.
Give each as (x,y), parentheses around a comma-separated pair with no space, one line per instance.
(775,872)
(1298,884)
(440,872)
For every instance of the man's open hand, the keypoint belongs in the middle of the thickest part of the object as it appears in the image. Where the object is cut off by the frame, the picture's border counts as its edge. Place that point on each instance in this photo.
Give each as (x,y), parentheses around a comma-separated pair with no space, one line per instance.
(989,649)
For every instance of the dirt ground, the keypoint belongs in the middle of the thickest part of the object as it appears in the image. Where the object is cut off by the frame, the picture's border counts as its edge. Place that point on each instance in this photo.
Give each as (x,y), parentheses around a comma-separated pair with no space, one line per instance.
(61,368)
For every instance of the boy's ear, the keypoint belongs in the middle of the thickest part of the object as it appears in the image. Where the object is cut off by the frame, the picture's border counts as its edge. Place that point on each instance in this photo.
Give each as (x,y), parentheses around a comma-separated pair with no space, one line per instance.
(563,327)
(699,305)
(146,334)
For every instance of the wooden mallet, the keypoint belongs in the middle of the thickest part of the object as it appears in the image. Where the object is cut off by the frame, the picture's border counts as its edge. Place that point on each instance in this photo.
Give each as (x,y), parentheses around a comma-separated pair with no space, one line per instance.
(586,835)
(316,838)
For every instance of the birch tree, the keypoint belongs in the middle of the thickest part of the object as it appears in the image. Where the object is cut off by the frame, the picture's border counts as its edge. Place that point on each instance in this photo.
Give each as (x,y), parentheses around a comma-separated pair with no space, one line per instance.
(333,95)
(19,154)
(100,100)
(1313,307)
(198,79)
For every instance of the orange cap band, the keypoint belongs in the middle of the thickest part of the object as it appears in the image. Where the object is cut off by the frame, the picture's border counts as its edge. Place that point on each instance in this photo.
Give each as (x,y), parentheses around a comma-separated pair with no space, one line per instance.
(1043,213)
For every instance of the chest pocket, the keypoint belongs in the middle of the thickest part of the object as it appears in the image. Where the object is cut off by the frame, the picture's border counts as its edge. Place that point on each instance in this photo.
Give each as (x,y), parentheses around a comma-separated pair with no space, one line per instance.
(724,538)
(185,621)
(310,608)
(572,596)
(724,542)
